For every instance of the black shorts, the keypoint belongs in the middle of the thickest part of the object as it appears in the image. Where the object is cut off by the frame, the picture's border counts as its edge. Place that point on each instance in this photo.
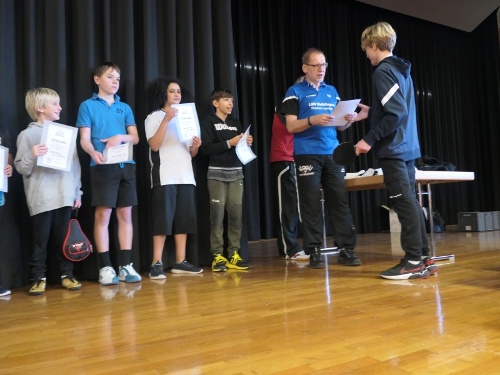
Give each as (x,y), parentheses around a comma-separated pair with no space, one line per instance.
(174,210)
(113,185)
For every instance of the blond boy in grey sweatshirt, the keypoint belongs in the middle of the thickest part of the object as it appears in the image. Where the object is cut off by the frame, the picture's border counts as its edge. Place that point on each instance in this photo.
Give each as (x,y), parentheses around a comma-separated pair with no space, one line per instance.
(51,194)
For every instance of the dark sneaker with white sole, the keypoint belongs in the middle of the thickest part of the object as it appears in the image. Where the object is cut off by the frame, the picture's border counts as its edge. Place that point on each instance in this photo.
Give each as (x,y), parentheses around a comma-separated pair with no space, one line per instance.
(404,270)
(156,271)
(185,267)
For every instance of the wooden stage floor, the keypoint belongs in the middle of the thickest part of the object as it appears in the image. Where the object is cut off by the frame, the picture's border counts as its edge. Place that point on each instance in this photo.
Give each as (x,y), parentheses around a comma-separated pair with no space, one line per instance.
(279,317)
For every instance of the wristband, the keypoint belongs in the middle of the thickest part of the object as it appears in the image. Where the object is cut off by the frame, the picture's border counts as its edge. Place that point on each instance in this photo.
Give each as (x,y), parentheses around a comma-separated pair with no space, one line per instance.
(309,121)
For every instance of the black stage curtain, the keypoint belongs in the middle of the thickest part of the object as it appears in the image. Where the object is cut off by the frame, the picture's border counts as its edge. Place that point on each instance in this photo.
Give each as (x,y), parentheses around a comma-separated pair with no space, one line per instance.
(253,48)
(456,77)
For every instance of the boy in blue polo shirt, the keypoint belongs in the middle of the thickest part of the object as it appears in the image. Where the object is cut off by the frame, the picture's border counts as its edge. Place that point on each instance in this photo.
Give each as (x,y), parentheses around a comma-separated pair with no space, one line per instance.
(105,122)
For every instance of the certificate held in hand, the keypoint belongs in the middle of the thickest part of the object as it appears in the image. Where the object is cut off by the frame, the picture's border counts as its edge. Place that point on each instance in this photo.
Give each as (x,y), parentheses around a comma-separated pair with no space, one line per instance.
(343,108)
(243,150)
(60,141)
(119,154)
(187,121)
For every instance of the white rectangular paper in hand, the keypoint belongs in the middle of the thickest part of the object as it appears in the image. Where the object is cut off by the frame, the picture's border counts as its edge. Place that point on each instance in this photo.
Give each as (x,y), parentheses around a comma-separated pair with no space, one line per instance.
(4,159)
(243,150)
(187,121)
(343,108)
(60,141)
(119,154)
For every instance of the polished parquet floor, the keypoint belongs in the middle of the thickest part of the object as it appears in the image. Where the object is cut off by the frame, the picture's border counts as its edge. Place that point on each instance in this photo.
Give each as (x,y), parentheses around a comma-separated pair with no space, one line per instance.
(279,317)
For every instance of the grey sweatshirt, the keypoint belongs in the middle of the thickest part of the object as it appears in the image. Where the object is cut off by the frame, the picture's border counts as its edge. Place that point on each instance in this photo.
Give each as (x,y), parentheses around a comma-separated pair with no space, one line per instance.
(46,189)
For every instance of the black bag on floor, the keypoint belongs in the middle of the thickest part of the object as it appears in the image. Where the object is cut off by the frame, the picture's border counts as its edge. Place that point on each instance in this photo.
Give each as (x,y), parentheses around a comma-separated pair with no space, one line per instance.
(76,245)
(439,224)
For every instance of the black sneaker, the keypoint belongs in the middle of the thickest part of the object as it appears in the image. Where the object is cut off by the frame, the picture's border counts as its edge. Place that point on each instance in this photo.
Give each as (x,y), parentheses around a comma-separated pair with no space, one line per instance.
(405,270)
(348,257)
(430,265)
(315,259)
(186,267)
(156,271)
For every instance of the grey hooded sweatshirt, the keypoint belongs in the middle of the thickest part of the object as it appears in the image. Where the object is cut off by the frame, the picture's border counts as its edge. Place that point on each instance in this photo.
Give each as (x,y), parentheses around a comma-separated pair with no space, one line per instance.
(46,189)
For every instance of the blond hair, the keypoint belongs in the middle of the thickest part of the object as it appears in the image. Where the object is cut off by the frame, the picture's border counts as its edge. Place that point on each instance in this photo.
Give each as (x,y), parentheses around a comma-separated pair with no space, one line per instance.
(39,98)
(381,34)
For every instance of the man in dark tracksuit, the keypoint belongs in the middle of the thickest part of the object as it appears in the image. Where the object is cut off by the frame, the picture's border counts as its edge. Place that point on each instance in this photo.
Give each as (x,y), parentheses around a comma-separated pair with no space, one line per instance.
(283,168)
(394,139)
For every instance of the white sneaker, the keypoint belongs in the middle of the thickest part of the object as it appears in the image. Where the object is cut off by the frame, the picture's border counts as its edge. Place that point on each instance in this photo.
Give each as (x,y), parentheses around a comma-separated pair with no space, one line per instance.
(107,276)
(301,255)
(128,274)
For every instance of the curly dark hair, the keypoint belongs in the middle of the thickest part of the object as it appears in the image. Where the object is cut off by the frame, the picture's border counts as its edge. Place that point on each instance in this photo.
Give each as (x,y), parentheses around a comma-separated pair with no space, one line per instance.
(158,92)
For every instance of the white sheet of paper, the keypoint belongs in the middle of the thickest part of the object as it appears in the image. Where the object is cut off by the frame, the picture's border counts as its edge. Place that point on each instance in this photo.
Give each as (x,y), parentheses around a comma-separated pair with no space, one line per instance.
(4,159)
(61,142)
(343,108)
(118,154)
(187,121)
(243,150)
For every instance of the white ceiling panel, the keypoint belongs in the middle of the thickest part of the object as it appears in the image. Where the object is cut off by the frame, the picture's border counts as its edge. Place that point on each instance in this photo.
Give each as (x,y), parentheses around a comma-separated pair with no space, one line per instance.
(460,14)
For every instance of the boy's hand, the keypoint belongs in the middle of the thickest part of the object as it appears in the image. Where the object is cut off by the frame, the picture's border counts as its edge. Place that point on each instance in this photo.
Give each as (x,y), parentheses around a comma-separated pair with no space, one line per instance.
(115,140)
(8,170)
(362,147)
(170,114)
(97,157)
(77,204)
(195,142)
(39,150)
(249,140)
(363,113)
(350,117)
(234,141)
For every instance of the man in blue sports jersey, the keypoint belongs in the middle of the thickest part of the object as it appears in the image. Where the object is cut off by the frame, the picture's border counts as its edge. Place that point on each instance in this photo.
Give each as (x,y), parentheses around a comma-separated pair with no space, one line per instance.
(308,108)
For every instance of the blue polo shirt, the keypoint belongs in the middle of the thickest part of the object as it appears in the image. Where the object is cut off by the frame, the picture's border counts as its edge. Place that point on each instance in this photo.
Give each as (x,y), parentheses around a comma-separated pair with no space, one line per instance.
(104,120)
(303,100)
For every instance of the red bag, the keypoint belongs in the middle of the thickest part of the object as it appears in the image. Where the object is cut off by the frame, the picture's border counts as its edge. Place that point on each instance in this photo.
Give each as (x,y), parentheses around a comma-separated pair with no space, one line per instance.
(76,245)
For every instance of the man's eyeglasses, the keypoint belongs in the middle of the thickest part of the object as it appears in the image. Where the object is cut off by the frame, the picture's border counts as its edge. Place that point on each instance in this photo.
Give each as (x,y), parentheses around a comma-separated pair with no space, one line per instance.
(317,66)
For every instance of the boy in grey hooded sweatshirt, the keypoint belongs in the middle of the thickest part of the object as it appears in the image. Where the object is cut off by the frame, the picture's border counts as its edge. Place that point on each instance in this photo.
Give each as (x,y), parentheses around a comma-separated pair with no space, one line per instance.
(51,194)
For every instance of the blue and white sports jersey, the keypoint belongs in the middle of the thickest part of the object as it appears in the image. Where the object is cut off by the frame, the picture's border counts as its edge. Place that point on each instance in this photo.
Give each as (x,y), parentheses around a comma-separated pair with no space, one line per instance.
(303,100)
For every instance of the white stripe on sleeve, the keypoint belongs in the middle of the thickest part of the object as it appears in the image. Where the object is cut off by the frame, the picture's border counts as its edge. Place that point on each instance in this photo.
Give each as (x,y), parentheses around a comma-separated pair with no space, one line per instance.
(389,95)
